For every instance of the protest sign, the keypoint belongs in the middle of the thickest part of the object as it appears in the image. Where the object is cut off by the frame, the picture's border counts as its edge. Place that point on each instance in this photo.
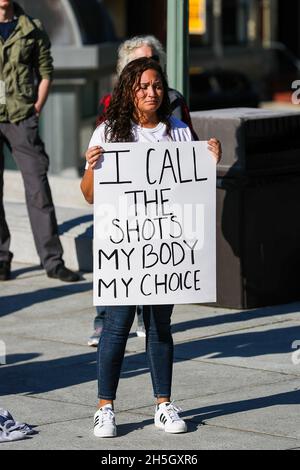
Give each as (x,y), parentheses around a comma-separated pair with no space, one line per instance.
(154,224)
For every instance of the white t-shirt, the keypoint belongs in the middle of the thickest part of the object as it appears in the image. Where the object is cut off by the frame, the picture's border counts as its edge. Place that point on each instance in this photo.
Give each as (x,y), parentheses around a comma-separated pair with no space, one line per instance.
(180,132)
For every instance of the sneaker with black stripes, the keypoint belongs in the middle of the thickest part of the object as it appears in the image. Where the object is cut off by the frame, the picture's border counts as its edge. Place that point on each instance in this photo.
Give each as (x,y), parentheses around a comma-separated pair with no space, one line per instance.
(104,422)
(167,418)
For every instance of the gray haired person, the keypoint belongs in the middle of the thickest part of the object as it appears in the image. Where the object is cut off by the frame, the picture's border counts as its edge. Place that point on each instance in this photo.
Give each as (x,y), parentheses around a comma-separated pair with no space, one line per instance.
(148,46)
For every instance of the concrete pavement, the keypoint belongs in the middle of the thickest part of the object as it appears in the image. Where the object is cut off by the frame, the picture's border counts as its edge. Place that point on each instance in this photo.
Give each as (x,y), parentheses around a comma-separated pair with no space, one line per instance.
(234,373)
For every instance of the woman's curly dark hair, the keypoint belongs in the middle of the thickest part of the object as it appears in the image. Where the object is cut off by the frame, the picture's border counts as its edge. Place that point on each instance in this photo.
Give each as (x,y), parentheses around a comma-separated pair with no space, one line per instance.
(121,110)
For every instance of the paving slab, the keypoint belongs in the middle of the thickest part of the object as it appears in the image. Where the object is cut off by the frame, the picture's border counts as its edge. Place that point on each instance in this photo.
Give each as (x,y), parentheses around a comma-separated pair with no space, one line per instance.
(137,431)
(233,372)
(75,230)
(27,301)
(198,321)
(267,348)
(271,409)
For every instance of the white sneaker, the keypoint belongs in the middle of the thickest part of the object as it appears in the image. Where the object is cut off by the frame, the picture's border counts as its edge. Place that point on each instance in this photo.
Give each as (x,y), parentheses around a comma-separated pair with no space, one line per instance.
(166,418)
(141,331)
(94,339)
(104,422)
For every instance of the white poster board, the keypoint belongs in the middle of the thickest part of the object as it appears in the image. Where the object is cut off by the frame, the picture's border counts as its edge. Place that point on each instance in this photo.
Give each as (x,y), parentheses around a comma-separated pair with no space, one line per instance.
(155,224)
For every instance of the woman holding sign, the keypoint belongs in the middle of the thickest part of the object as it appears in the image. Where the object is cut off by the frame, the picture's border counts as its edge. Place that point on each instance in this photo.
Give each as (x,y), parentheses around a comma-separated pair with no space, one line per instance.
(139,112)
(134,48)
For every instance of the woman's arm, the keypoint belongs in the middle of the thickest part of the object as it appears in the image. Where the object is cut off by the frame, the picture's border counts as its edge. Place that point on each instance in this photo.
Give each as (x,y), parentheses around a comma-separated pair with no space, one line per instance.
(92,156)
(87,185)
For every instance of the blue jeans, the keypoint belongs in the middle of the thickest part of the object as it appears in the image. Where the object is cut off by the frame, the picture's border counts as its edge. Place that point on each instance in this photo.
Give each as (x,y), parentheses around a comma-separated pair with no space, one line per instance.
(99,318)
(100,315)
(159,347)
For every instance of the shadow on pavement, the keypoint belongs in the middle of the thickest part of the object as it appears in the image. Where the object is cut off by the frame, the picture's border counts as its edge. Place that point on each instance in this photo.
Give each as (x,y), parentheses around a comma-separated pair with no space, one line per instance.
(72,223)
(236,316)
(12,303)
(127,428)
(48,375)
(203,414)
(15,358)
(250,344)
(15,273)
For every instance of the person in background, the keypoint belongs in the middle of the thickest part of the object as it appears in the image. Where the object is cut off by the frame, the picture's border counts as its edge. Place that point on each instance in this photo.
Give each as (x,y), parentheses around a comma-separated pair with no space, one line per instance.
(25,57)
(139,46)
(139,111)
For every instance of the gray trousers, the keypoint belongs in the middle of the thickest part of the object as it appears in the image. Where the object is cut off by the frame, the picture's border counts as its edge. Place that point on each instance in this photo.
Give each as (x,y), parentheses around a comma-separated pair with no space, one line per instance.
(32,161)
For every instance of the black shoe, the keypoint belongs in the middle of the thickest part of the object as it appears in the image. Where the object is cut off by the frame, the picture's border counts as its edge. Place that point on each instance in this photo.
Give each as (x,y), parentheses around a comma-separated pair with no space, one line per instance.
(64,274)
(4,270)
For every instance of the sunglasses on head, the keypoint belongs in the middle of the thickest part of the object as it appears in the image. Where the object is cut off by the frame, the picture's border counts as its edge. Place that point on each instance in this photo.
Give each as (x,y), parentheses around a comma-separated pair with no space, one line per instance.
(154,57)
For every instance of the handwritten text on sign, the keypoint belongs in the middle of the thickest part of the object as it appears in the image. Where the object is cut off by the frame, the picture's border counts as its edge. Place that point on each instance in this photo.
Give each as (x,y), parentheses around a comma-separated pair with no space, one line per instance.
(154,224)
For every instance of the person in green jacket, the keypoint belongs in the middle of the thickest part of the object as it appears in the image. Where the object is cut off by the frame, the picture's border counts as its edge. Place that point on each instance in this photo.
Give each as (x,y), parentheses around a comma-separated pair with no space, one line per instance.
(25,77)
